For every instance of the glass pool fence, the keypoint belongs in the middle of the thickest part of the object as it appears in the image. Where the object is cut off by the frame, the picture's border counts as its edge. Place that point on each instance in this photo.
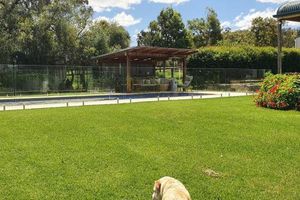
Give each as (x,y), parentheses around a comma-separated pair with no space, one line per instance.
(22,80)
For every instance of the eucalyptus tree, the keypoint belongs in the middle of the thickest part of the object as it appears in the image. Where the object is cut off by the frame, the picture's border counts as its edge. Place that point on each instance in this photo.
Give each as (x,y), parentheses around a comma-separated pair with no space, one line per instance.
(167,31)
(104,37)
(206,31)
(42,32)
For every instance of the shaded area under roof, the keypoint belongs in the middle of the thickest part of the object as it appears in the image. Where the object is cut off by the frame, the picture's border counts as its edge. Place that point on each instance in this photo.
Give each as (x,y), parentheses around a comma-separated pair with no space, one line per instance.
(143,53)
(289,11)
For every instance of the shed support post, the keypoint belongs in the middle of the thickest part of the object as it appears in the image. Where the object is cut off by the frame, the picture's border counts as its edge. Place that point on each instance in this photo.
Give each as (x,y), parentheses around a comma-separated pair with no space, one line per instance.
(164,68)
(154,68)
(184,70)
(279,62)
(128,78)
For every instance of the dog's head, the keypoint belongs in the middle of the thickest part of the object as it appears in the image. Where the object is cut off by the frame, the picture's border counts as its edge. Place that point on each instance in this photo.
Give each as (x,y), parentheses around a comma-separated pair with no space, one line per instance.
(156,191)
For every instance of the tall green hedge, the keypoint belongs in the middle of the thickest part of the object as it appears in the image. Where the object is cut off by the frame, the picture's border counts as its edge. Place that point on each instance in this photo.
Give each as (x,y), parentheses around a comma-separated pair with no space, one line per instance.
(246,57)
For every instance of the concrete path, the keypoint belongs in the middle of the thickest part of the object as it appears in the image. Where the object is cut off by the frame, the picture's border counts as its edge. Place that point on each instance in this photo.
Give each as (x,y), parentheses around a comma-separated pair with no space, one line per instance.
(91,102)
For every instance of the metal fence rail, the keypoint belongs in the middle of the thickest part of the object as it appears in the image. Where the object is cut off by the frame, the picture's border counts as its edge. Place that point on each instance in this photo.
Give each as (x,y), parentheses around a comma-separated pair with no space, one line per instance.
(32,104)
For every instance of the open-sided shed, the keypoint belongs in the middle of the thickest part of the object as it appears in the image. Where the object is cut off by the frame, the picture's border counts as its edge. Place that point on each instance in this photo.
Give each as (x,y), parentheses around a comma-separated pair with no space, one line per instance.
(144,56)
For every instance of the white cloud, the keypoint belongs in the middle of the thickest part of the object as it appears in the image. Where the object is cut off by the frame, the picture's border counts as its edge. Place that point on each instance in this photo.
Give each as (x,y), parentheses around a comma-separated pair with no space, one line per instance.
(126,20)
(134,38)
(272,1)
(107,5)
(226,24)
(102,18)
(122,19)
(292,24)
(243,21)
(170,1)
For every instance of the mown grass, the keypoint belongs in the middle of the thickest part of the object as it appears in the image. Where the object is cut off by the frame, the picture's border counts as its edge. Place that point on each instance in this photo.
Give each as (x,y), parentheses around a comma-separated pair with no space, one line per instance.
(116,152)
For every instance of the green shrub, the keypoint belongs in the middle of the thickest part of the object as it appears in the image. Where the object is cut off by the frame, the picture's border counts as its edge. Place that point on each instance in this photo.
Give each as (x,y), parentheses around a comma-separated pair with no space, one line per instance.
(279,92)
(245,57)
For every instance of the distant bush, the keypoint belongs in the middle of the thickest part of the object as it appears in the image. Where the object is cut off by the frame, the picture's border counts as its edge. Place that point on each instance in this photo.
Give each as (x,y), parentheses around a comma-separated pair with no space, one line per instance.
(279,92)
(245,57)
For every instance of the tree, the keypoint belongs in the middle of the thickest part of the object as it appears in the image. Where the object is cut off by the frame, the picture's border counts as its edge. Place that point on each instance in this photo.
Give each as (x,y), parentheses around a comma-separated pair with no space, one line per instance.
(119,38)
(239,37)
(264,31)
(52,32)
(206,31)
(43,32)
(214,27)
(168,31)
(289,36)
(173,31)
(104,37)
(151,37)
(198,28)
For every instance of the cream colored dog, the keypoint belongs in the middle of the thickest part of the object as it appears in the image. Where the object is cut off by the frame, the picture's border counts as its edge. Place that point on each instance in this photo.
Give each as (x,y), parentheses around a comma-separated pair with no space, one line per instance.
(168,188)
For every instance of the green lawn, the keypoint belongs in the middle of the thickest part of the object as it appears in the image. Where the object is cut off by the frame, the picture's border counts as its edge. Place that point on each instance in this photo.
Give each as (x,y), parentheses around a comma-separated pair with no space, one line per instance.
(116,152)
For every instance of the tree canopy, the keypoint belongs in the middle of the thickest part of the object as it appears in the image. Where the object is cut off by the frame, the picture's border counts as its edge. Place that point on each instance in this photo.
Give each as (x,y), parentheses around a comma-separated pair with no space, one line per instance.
(263,32)
(54,32)
(167,31)
(104,37)
(206,31)
(64,32)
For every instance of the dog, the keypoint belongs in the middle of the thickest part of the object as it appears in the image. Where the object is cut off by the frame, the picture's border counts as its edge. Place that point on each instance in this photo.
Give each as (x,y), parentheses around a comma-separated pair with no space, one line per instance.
(168,188)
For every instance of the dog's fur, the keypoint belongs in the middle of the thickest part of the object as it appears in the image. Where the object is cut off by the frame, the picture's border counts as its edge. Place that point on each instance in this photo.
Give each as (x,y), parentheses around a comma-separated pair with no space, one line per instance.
(168,188)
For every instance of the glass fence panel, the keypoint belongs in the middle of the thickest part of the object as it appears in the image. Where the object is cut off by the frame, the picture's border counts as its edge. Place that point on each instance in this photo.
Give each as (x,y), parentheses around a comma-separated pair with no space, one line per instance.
(229,79)
(7,80)
(40,79)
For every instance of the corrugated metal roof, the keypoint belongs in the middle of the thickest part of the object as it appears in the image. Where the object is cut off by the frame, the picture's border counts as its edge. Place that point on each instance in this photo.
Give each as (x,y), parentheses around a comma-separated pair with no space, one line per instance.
(288,9)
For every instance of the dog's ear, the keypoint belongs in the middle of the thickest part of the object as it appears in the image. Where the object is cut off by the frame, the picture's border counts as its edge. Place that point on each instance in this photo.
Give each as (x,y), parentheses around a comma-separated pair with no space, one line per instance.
(157,185)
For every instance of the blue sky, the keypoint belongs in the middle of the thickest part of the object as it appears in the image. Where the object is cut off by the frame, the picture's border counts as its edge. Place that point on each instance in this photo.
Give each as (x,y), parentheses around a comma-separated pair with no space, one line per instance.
(135,15)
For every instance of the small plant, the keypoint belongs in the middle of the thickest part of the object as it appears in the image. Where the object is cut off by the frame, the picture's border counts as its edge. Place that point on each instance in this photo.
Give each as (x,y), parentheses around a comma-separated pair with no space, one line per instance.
(279,92)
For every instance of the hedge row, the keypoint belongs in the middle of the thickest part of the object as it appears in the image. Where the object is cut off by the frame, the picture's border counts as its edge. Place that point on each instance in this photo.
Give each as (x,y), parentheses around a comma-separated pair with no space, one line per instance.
(246,57)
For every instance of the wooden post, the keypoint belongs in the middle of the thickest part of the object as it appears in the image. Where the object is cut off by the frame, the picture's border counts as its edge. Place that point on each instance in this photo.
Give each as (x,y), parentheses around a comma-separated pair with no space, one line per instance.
(172,69)
(184,70)
(164,68)
(154,68)
(128,68)
(279,63)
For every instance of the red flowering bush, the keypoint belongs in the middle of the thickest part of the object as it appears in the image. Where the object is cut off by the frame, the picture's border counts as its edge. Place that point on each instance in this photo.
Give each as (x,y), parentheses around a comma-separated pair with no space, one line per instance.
(279,92)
